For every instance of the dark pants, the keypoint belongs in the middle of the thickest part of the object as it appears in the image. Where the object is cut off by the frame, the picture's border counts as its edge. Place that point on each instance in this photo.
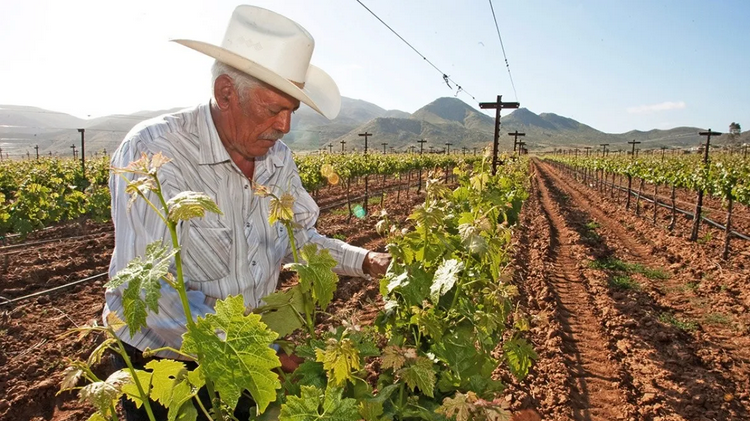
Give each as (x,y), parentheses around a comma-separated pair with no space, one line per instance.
(242,412)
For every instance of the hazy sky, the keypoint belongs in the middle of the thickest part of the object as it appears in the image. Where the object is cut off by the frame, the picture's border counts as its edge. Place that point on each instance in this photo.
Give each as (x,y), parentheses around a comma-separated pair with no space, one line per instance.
(614,65)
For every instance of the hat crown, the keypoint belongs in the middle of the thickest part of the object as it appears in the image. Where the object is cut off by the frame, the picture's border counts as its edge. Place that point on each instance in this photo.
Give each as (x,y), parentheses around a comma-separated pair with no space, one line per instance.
(271,40)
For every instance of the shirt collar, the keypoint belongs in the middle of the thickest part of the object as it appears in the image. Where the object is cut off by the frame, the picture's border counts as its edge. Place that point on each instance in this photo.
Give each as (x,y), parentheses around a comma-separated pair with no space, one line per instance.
(212,151)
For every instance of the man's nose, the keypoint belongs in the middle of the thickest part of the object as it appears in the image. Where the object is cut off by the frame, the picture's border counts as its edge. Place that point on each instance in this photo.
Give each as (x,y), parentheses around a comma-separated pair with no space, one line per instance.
(283,122)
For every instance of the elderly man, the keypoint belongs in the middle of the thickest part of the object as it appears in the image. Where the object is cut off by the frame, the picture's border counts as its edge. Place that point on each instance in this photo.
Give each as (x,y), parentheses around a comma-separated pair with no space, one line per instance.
(260,76)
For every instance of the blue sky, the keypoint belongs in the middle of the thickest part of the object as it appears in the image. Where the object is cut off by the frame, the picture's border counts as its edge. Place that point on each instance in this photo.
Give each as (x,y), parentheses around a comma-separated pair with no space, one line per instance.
(614,65)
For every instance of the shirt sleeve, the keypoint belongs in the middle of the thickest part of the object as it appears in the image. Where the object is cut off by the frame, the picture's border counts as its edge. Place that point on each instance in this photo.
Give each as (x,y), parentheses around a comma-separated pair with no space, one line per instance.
(306,212)
(136,225)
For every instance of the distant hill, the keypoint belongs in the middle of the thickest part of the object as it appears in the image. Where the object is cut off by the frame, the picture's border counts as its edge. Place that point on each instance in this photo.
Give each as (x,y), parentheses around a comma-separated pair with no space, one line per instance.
(445,120)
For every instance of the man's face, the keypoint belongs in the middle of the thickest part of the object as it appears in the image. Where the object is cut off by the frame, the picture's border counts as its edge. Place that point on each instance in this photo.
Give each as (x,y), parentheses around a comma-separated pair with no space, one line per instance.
(263,118)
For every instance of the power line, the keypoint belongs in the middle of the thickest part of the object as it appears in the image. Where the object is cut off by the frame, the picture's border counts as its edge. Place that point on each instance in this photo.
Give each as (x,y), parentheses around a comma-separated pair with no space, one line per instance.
(445,75)
(503,48)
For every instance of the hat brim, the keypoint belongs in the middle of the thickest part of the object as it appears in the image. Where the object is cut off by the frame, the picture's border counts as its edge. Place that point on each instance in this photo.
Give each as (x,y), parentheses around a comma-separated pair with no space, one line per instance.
(319,92)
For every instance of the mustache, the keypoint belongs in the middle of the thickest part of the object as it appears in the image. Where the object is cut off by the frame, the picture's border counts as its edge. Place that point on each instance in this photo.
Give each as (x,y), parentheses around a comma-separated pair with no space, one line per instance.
(272,135)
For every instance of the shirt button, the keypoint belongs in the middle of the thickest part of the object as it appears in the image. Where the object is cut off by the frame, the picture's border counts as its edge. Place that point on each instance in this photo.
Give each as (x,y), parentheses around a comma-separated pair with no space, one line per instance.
(247,225)
(246,186)
(253,263)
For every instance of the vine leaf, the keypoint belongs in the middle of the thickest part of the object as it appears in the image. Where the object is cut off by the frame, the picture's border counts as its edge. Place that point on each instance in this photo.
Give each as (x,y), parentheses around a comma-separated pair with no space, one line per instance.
(519,354)
(235,353)
(281,209)
(104,394)
(445,278)
(142,274)
(339,359)
(189,204)
(317,274)
(282,311)
(312,405)
(420,374)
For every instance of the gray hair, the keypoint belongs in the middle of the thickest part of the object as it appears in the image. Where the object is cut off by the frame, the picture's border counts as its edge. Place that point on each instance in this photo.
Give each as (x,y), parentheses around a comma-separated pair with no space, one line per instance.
(243,83)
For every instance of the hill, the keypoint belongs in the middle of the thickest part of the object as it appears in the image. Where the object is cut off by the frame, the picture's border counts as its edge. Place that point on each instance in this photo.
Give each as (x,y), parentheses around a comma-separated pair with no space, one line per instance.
(445,120)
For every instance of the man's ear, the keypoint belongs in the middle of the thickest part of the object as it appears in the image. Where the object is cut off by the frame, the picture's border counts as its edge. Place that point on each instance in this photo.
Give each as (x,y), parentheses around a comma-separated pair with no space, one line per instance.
(224,92)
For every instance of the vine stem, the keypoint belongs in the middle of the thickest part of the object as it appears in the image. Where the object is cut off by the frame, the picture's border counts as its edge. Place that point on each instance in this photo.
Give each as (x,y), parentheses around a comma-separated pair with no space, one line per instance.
(308,314)
(180,287)
(144,395)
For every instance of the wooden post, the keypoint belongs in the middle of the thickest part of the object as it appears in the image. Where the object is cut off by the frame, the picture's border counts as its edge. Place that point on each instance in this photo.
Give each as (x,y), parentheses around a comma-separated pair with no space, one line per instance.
(497,105)
(421,151)
(343,142)
(37,152)
(699,201)
(365,135)
(83,154)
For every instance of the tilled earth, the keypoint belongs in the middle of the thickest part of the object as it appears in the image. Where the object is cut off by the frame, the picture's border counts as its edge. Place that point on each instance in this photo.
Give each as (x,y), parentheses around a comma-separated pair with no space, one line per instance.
(630,321)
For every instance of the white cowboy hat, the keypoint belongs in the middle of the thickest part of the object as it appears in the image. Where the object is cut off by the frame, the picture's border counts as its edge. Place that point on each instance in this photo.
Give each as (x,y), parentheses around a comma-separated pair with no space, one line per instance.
(277,51)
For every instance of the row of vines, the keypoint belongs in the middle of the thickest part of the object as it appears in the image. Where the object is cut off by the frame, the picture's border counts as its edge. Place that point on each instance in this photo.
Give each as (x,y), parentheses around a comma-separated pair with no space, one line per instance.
(38,193)
(449,321)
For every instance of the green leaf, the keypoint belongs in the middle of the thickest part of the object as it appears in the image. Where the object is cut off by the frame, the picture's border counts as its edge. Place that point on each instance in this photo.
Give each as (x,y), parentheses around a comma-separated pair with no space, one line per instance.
(189,204)
(131,390)
(519,355)
(142,274)
(420,374)
(181,407)
(96,355)
(370,410)
(339,359)
(241,359)
(311,373)
(282,311)
(104,394)
(71,375)
(96,416)
(317,274)
(312,405)
(445,278)
(165,375)
(281,209)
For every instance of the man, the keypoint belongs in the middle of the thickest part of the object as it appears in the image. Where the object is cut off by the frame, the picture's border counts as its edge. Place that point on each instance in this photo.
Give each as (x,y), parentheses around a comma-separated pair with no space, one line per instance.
(260,76)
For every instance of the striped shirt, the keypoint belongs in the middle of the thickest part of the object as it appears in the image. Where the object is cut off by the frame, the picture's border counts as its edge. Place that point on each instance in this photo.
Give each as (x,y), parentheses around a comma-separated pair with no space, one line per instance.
(230,254)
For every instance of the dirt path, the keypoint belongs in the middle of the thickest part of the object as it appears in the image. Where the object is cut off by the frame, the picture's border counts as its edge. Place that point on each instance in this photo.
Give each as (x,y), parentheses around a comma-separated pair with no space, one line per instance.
(596,390)
(626,340)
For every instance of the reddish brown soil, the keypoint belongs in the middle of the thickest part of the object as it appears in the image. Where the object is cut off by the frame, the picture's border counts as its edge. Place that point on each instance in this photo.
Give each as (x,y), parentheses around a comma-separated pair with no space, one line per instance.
(608,352)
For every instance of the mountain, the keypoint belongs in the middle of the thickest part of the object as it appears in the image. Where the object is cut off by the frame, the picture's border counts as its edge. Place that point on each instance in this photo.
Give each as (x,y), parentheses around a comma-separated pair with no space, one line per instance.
(445,120)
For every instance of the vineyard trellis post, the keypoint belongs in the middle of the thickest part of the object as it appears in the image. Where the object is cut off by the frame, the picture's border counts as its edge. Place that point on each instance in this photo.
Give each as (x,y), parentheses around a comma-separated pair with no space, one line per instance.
(83,155)
(699,201)
(330,148)
(343,142)
(498,105)
(516,135)
(630,176)
(421,151)
(367,193)
(36,147)
(384,145)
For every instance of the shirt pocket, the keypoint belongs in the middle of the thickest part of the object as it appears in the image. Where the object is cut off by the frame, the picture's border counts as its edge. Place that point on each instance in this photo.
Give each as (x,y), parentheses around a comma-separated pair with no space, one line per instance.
(207,252)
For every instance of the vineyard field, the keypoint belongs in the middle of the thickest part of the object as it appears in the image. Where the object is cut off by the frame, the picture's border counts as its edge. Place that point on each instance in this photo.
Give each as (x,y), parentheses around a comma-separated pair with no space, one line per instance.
(628,319)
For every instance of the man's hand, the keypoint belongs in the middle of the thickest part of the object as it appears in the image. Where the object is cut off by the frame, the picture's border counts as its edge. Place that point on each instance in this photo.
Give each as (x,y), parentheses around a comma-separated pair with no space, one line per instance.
(376,264)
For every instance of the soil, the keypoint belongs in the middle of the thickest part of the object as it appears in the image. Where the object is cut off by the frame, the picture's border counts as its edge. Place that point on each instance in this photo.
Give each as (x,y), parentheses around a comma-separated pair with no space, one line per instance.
(618,344)
(612,344)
